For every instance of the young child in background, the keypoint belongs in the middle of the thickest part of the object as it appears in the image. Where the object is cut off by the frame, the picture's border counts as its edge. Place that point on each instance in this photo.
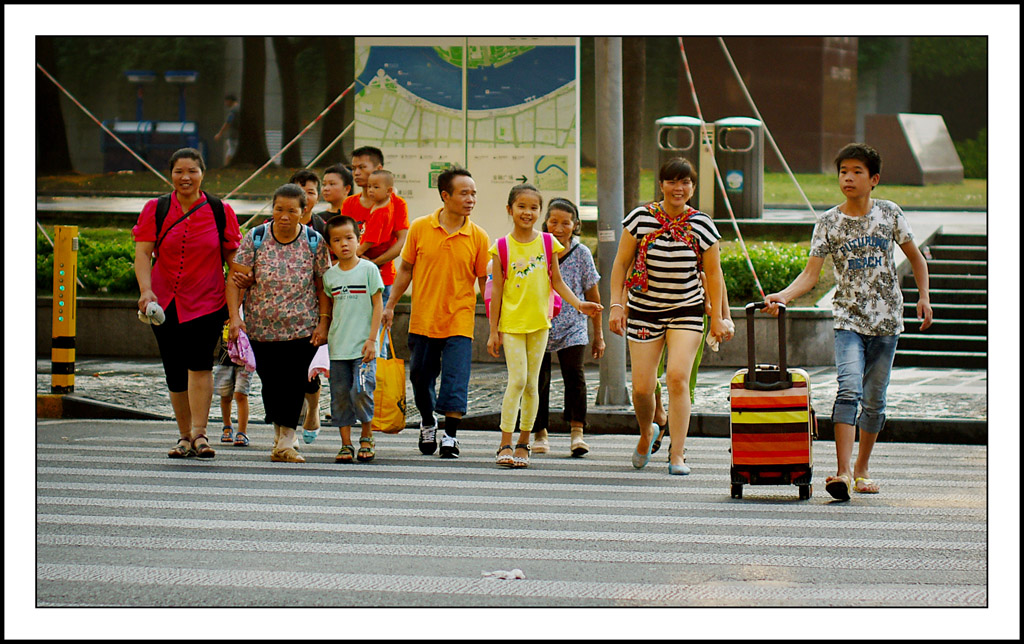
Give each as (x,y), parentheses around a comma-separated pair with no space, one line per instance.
(310,415)
(867,307)
(519,318)
(355,286)
(568,333)
(385,234)
(231,381)
(380,189)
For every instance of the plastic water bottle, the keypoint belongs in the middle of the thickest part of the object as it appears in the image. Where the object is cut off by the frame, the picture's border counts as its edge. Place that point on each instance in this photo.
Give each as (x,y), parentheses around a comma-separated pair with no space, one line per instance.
(363,378)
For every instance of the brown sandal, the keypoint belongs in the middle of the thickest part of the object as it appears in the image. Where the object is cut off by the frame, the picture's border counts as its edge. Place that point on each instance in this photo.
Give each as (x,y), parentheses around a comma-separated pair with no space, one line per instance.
(204,450)
(180,450)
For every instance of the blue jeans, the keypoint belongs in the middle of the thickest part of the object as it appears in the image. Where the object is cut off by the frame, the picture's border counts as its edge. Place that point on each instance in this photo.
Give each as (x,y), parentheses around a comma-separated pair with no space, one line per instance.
(352,387)
(385,295)
(863,365)
(451,359)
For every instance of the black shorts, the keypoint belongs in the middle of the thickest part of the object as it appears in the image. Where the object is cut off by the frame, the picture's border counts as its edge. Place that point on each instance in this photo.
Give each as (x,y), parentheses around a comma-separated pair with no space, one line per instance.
(187,346)
(645,326)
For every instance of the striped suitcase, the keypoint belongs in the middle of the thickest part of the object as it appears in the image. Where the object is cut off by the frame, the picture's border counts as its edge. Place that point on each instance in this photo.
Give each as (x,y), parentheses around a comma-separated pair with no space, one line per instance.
(771,421)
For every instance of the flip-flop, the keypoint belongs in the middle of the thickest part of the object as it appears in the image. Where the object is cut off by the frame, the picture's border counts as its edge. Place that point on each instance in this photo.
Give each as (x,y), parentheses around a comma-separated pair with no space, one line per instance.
(865,486)
(838,487)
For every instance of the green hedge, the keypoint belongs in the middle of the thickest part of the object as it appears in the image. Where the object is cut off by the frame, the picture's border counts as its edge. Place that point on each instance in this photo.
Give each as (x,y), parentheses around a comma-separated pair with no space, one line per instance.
(974,155)
(777,264)
(104,267)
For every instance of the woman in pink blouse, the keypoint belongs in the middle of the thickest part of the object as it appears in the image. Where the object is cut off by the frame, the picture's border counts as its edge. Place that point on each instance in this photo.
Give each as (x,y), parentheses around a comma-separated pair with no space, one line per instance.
(181,267)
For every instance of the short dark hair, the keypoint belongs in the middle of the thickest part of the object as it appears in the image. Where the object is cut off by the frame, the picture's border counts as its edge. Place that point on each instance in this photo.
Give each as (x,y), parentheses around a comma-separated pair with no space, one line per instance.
(337,221)
(677,168)
(560,203)
(339,169)
(520,188)
(446,178)
(389,178)
(291,191)
(369,151)
(304,176)
(861,152)
(187,153)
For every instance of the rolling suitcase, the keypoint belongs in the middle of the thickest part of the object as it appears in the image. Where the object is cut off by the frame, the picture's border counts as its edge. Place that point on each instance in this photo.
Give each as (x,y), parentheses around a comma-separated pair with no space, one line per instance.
(772,424)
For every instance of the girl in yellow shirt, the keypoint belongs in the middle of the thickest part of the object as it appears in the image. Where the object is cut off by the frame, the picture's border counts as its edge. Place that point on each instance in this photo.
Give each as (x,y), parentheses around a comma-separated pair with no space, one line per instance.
(520,316)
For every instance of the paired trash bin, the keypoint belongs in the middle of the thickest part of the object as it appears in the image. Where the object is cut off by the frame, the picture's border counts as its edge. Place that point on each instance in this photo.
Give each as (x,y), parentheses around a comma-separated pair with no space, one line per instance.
(738,151)
(154,141)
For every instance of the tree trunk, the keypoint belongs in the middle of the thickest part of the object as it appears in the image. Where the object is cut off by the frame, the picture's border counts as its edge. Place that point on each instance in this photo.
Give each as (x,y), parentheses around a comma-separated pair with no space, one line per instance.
(634,81)
(252,137)
(52,154)
(286,50)
(339,52)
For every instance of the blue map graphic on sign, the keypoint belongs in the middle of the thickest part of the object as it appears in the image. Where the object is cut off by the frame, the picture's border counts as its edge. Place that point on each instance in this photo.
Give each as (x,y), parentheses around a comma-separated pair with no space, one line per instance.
(422,72)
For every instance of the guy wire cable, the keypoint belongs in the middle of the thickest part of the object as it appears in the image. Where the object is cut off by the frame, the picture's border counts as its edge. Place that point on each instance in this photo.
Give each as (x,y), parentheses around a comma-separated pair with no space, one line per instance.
(771,139)
(718,175)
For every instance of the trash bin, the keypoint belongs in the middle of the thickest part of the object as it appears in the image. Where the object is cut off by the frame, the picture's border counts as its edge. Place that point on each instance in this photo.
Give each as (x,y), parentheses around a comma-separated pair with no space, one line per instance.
(170,136)
(739,153)
(679,136)
(135,135)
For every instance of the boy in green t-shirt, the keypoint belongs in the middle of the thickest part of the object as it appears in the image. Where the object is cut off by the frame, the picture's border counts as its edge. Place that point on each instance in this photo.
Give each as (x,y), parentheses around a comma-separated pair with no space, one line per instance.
(355,286)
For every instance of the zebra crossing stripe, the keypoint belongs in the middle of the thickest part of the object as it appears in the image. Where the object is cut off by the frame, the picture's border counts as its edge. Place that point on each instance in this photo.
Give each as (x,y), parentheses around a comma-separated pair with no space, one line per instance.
(558,517)
(511,532)
(514,554)
(744,594)
(385,497)
(512,481)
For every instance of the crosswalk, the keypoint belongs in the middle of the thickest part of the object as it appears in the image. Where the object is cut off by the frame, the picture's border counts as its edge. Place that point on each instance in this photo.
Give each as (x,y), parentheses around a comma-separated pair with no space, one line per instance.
(120,524)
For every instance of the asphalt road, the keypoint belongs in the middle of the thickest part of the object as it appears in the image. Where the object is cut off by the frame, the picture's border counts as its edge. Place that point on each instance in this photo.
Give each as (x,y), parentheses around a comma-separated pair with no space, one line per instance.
(121,525)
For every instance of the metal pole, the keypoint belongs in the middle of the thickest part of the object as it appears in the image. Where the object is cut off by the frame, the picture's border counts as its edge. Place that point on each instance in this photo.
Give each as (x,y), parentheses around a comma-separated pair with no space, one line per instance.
(610,190)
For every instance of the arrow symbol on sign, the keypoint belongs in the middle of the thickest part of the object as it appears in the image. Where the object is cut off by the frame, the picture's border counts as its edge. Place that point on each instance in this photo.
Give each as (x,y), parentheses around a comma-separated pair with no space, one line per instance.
(522,178)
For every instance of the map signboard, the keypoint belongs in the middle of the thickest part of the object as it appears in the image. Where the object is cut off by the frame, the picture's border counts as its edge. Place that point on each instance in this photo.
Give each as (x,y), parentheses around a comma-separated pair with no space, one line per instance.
(505,108)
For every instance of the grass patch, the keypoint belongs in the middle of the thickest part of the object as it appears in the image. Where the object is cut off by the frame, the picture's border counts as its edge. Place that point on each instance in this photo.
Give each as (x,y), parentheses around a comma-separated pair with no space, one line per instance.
(822,190)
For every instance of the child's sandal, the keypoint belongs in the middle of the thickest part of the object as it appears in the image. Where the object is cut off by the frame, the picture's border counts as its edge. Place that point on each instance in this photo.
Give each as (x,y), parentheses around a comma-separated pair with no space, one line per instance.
(519,461)
(241,440)
(504,461)
(366,454)
(345,454)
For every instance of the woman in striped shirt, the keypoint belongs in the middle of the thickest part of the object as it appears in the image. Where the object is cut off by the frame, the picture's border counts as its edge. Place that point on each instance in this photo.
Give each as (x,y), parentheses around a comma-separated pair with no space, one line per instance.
(664,247)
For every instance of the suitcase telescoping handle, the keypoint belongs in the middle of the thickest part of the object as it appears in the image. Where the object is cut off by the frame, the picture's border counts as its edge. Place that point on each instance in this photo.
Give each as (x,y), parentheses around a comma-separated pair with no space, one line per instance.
(784,381)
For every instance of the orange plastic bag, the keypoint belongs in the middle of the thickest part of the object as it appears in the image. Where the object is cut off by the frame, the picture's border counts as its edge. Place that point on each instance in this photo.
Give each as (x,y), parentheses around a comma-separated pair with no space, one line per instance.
(389,395)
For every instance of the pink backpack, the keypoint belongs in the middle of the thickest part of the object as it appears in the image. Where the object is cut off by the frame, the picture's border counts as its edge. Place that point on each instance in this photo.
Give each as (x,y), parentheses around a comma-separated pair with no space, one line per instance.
(554,300)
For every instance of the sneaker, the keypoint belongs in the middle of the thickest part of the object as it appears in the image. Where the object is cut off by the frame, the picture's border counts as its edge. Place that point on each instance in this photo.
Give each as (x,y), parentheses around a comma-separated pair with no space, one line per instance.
(428,439)
(449,446)
(309,435)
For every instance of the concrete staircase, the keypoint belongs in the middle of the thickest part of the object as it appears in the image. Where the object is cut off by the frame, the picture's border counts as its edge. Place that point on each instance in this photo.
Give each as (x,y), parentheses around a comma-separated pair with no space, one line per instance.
(958,336)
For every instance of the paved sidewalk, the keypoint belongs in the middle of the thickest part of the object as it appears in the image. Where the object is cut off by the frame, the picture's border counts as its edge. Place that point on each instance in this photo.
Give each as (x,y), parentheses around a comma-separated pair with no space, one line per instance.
(932,400)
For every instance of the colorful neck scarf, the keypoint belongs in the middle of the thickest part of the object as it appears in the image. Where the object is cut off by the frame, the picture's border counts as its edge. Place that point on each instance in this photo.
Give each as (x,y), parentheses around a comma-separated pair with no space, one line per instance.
(681,231)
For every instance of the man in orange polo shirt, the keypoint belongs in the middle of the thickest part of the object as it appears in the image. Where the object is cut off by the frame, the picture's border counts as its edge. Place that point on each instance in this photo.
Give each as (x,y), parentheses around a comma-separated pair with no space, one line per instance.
(444,254)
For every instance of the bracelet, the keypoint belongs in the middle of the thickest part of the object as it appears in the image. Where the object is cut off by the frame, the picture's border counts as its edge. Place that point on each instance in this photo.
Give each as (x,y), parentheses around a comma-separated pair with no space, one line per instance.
(618,305)
(325,315)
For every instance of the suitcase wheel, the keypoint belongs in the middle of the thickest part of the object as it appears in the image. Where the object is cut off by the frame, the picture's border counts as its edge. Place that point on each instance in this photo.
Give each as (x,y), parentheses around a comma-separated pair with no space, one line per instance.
(805,492)
(737,491)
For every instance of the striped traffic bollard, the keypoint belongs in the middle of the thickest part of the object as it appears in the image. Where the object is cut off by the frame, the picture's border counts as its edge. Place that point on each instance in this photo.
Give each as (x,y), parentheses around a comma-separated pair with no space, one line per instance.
(65,291)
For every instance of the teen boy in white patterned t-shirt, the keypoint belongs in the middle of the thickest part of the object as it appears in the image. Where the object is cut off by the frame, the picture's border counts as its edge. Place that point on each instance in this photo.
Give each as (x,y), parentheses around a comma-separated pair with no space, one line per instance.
(867,306)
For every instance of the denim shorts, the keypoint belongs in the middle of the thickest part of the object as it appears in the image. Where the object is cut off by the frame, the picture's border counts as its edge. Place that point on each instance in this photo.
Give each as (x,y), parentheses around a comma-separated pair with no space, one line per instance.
(863,366)
(352,385)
